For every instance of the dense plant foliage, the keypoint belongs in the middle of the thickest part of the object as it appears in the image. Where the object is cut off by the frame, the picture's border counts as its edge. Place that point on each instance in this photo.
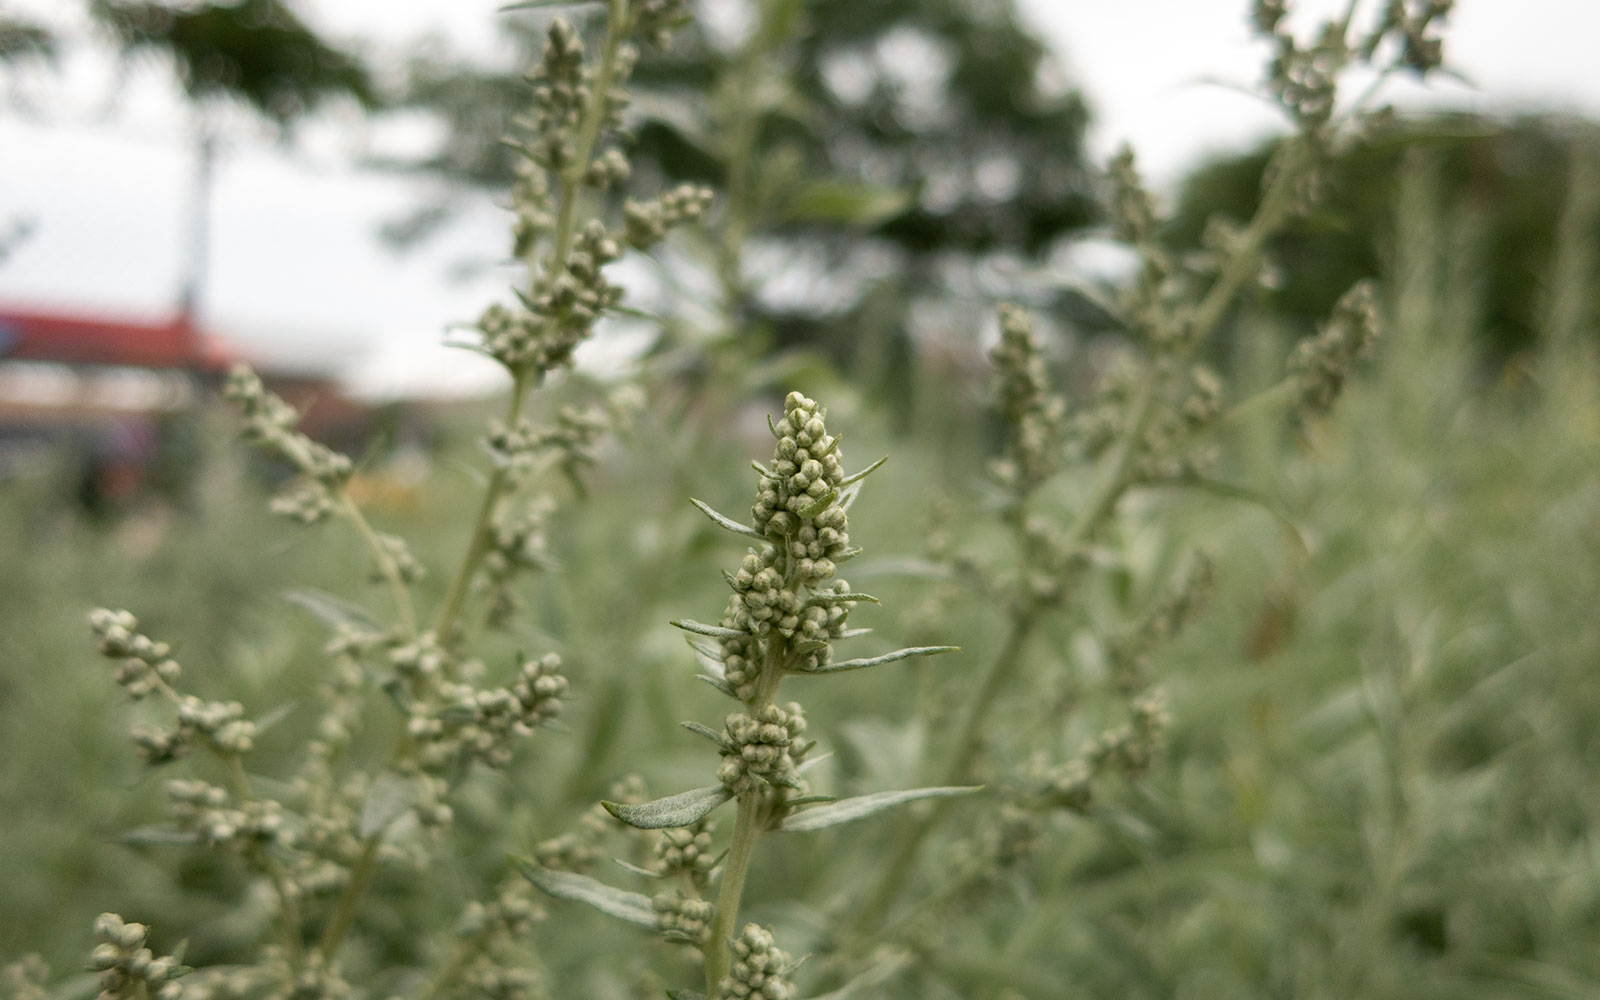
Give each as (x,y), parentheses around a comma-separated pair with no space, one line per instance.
(1273,678)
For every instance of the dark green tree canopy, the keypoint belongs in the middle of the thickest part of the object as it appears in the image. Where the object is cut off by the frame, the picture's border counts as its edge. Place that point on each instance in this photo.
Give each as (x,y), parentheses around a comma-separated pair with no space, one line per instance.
(1510,178)
(256,51)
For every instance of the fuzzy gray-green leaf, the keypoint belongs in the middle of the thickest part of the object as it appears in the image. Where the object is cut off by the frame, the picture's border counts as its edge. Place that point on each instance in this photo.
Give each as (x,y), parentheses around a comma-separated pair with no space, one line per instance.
(874,661)
(701,628)
(862,806)
(630,906)
(390,797)
(683,809)
(334,610)
(702,729)
(724,521)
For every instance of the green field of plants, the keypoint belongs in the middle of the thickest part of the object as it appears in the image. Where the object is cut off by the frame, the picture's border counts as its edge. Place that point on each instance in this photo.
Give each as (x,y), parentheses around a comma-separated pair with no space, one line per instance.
(1210,655)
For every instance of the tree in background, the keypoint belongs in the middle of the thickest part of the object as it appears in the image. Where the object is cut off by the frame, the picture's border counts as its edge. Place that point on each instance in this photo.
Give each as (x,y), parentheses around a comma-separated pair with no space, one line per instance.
(1503,182)
(941,130)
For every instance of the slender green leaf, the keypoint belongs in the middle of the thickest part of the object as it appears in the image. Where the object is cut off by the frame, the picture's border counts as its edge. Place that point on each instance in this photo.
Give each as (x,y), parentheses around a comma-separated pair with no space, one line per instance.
(159,836)
(636,870)
(720,683)
(630,906)
(874,661)
(724,521)
(843,202)
(683,809)
(701,628)
(864,473)
(390,797)
(821,504)
(862,806)
(706,731)
(821,600)
(333,610)
(272,718)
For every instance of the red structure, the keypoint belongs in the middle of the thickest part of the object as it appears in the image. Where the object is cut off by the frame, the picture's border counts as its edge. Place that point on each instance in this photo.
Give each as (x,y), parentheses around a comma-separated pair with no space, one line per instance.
(64,338)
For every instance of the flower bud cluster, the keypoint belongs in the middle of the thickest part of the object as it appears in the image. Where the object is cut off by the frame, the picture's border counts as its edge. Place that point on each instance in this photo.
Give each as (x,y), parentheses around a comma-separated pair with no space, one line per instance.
(805,468)
(1320,365)
(511,914)
(421,658)
(210,812)
(560,94)
(1130,649)
(128,969)
(1172,449)
(488,978)
(1128,749)
(581,849)
(1305,80)
(541,334)
(25,979)
(655,20)
(269,423)
(686,851)
(760,970)
(220,724)
(682,917)
(482,724)
(1025,403)
(1412,21)
(645,223)
(574,435)
(143,664)
(1132,747)
(760,750)
(530,207)
(1095,426)
(1053,565)
(398,553)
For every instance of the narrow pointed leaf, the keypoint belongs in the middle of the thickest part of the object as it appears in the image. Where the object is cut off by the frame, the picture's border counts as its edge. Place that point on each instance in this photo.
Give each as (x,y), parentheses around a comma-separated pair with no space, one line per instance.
(706,731)
(724,521)
(701,628)
(683,809)
(825,599)
(810,762)
(391,796)
(636,870)
(719,683)
(864,473)
(159,836)
(874,661)
(811,800)
(709,655)
(630,906)
(862,806)
(334,610)
(821,504)
(272,718)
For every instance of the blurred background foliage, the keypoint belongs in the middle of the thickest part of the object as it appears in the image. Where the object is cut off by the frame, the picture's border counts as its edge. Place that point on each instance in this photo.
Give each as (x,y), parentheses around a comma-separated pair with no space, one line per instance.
(1381,781)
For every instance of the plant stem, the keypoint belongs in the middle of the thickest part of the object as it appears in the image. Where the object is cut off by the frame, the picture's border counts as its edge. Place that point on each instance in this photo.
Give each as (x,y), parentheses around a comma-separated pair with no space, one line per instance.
(478,545)
(344,911)
(735,866)
(288,905)
(386,565)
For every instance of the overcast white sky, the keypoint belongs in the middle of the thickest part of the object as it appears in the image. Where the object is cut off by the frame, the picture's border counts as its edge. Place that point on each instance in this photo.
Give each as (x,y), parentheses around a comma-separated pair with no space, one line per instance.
(296,266)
